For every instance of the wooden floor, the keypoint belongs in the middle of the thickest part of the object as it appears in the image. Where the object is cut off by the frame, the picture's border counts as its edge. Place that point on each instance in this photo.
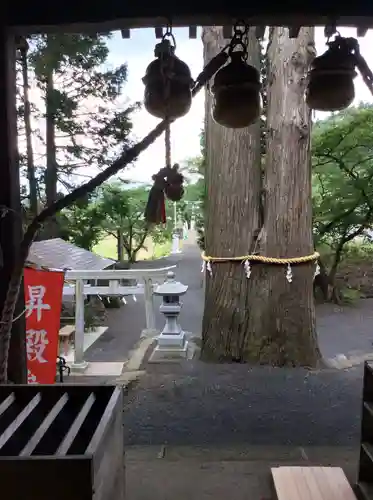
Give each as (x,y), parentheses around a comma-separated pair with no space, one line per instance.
(311,483)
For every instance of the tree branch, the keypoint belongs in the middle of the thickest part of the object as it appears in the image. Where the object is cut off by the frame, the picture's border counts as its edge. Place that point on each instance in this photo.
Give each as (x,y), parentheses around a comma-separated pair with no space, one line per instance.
(141,243)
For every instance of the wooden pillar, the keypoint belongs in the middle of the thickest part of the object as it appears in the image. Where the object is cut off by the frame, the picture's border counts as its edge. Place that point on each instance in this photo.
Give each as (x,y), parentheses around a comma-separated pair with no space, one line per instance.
(79,365)
(10,206)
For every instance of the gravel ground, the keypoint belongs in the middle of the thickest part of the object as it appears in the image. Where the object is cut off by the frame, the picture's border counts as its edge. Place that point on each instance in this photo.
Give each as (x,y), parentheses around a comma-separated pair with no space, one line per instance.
(197,404)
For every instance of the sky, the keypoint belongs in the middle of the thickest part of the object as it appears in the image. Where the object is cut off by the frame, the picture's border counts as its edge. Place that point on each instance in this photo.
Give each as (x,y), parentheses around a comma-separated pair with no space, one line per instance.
(137,52)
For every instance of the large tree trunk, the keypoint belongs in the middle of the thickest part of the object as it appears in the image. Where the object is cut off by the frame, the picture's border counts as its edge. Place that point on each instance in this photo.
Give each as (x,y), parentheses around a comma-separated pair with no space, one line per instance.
(232,220)
(11,224)
(33,187)
(282,316)
(51,172)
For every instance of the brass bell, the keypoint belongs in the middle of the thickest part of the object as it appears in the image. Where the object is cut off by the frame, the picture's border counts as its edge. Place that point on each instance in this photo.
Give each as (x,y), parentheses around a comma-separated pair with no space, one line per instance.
(168,83)
(236,91)
(330,81)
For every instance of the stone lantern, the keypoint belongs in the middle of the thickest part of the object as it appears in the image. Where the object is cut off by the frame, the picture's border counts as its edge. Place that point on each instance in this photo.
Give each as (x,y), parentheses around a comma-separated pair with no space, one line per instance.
(171,343)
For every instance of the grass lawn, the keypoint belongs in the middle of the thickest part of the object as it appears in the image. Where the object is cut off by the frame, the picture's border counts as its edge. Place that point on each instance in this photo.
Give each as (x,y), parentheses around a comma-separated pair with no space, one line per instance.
(108,248)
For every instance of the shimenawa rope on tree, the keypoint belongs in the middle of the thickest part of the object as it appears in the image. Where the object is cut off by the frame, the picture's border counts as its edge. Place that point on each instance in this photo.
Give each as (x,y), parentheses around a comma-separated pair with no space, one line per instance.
(246,259)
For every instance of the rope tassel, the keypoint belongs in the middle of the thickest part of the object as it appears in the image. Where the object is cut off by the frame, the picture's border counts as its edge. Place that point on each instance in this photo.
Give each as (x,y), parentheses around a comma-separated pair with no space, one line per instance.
(167,182)
(155,211)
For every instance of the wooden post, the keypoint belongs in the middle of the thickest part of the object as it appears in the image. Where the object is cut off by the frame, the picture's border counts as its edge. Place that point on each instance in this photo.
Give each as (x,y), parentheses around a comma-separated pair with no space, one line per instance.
(79,364)
(10,205)
(149,307)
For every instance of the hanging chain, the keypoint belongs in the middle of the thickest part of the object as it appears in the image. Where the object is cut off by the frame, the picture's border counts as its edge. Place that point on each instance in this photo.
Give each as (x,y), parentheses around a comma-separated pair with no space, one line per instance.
(240,39)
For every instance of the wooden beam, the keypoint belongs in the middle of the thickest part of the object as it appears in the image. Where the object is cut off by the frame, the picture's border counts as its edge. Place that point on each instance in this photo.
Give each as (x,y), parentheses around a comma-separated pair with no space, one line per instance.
(93,25)
(126,33)
(361,31)
(260,31)
(193,32)
(115,14)
(294,31)
(158,32)
(227,31)
(11,222)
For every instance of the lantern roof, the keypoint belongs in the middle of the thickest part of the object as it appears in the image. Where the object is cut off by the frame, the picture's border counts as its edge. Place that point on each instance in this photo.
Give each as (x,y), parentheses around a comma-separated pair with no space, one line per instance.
(171,287)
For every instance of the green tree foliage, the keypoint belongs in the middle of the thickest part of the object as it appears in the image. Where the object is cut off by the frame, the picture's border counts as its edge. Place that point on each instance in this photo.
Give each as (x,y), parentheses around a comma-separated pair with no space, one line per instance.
(118,212)
(193,204)
(190,206)
(342,159)
(114,206)
(82,224)
(85,126)
(122,212)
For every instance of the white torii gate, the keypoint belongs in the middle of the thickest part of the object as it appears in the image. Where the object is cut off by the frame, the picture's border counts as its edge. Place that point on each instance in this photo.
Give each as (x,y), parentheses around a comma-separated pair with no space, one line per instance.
(145,278)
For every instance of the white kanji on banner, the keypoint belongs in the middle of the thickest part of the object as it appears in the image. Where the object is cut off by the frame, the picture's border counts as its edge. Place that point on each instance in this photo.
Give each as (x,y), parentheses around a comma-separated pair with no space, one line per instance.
(35,302)
(36,342)
(31,379)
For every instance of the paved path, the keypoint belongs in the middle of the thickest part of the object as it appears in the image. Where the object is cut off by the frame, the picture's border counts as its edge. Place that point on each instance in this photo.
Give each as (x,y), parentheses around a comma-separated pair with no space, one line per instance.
(199,404)
(234,472)
(125,324)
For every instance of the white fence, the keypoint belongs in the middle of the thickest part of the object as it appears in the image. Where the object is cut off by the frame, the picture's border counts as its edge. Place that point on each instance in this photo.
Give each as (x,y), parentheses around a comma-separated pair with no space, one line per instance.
(145,279)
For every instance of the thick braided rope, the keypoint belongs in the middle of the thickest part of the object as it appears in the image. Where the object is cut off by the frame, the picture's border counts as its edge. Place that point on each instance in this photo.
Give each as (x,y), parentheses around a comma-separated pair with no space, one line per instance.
(262,258)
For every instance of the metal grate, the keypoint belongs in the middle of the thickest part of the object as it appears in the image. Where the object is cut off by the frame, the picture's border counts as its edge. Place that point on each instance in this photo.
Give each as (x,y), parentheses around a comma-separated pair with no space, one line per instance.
(55,420)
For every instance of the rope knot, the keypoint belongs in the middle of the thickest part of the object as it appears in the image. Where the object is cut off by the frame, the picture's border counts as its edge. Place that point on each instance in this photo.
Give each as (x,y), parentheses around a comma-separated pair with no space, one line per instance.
(168,181)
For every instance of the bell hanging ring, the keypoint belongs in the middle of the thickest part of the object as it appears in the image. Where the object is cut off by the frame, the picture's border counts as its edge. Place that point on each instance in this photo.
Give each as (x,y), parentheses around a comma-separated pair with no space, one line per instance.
(236,91)
(168,84)
(330,81)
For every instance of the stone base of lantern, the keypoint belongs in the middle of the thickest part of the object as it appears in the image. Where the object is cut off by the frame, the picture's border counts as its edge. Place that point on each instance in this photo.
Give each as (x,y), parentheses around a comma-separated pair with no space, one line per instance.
(170,348)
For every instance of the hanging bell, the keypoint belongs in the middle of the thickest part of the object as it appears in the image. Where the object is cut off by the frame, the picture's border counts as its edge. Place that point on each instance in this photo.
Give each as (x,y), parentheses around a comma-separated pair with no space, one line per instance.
(168,83)
(236,91)
(330,81)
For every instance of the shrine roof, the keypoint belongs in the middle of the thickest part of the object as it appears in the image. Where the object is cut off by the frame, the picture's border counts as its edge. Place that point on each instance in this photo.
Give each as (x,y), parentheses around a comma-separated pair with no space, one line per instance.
(60,254)
(39,15)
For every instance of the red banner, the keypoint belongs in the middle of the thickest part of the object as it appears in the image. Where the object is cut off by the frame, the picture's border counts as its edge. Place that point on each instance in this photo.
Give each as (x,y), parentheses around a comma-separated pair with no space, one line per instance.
(43,298)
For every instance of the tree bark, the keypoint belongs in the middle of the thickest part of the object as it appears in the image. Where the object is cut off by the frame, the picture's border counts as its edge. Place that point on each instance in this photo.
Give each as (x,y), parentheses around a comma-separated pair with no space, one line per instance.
(282,315)
(11,222)
(33,187)
(120,253)
(232,220)
(51,227)
(51,172)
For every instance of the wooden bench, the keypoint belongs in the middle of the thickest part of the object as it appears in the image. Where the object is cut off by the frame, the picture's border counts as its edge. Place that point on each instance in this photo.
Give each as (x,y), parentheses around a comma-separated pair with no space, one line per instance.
(311,483)
(65,334)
